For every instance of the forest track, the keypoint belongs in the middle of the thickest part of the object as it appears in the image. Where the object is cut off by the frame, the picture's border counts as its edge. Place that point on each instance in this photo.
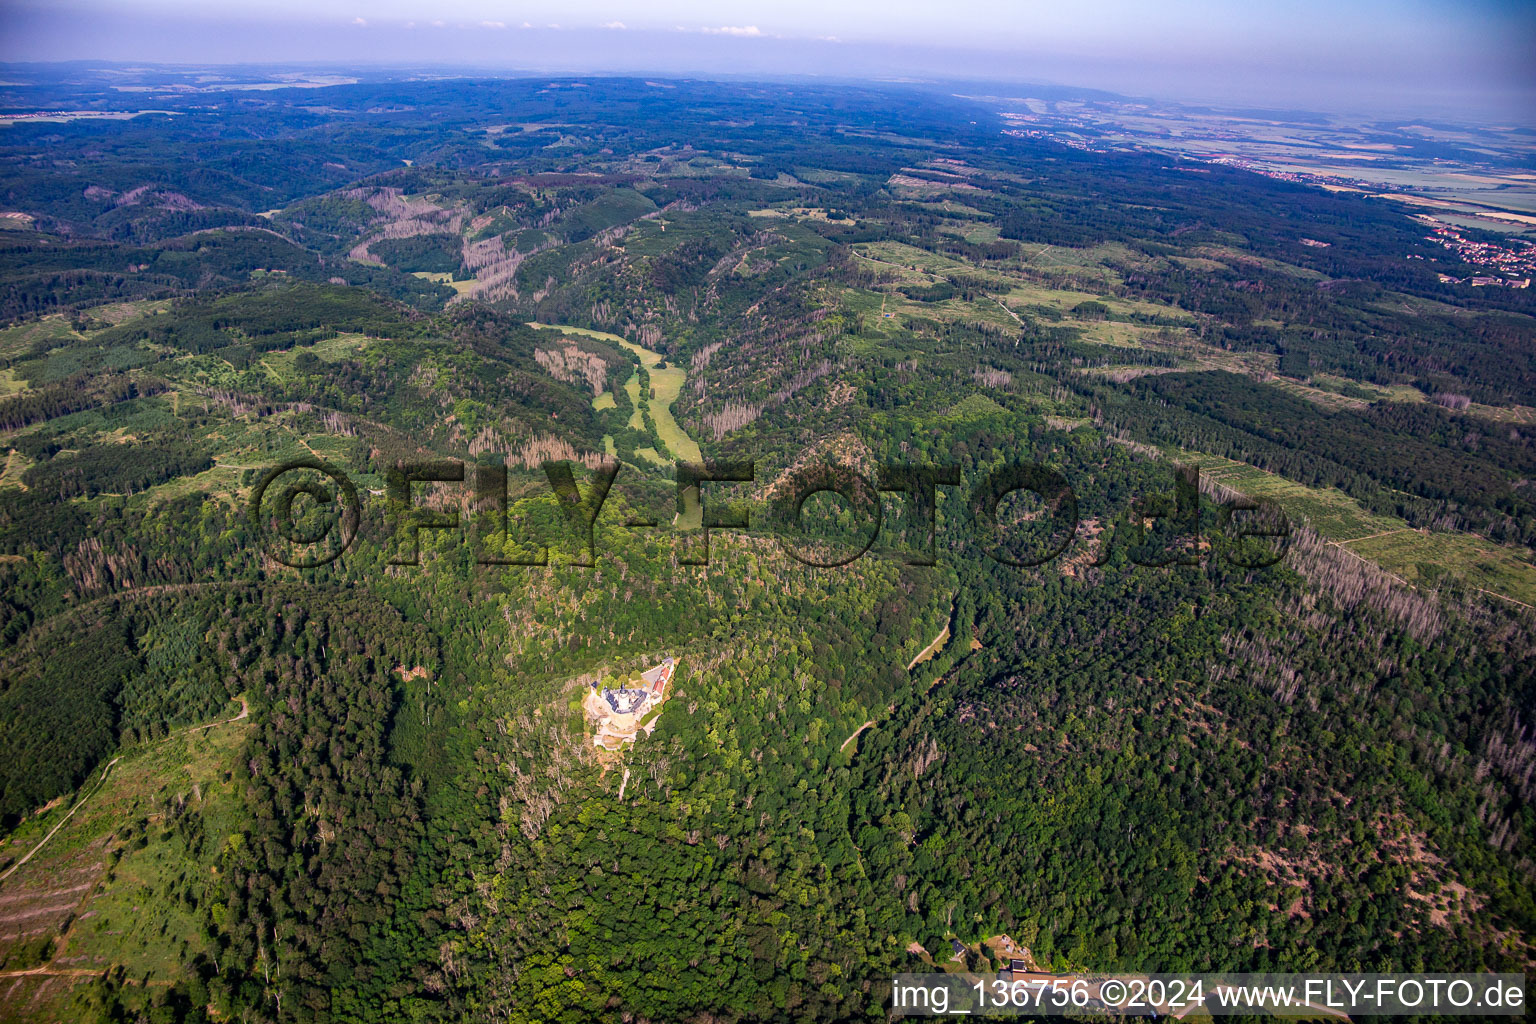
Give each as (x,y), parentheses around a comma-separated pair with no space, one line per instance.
(1383,533)
(1503,597)
(924,655)
(867,725)
(54,972)
(60,824)
(1372,564)
(245,712)
(932,649)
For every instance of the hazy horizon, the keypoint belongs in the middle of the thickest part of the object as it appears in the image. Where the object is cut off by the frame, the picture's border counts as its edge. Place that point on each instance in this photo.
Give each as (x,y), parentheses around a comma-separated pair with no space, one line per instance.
(1471,61)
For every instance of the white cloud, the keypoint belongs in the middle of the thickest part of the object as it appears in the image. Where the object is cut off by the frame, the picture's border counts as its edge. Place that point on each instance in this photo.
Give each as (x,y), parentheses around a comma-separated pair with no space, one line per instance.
(617,26)
(733,30)
(359,21)
(493,24)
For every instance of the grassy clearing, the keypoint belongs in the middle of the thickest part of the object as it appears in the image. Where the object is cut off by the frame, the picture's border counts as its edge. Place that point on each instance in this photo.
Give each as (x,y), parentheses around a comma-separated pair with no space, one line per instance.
(121,312)
(1318,396)
(1397,302)
(11,469)
(439,277)
(1378,392)
(133,921)
(1327,510)
(340,347)
(1517,414)
(980,234)
(1237,258)
(791,212)
(219,483)
(885,312)
(1198,263)
(1050,257)
(666,383)
(951,207)
(1115,332)
(1193,354)
(911,188)
(1326,390)
(585,331)
(107,888)
(910,257)
(950,311)
(53,329)
(1259,365)
(1029,293)
(1420,557)
(632,389)
(652,455)
(240,445)
(604,401)
(914,265)
(1427,559)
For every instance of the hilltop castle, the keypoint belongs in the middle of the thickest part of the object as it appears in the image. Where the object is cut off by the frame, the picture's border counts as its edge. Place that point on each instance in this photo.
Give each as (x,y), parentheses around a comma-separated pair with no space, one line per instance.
(618,713)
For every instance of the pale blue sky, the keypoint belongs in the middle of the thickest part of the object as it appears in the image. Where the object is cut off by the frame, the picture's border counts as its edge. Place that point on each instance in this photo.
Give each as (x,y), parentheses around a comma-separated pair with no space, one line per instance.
(1417,54)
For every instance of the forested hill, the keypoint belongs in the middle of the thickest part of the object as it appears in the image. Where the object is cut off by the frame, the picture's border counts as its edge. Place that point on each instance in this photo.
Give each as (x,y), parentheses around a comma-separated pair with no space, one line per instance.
(366,789)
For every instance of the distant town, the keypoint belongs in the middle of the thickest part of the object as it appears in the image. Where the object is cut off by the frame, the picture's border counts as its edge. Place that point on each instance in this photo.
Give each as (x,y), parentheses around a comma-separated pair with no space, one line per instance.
(1517,261)
(1460,185)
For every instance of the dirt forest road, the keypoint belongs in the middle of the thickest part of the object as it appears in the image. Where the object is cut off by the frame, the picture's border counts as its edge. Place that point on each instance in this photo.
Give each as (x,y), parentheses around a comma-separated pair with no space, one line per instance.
(932,649)
(867,725)
(60,824)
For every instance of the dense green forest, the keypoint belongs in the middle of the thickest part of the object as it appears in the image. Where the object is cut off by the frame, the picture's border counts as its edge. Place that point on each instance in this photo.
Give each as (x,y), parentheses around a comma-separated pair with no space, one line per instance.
(367,789)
